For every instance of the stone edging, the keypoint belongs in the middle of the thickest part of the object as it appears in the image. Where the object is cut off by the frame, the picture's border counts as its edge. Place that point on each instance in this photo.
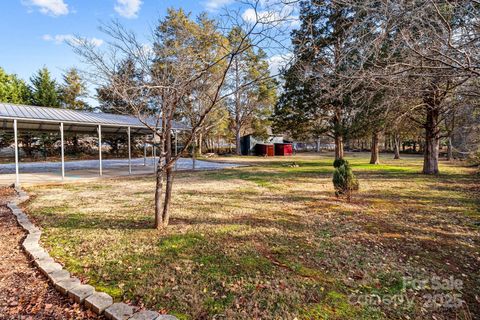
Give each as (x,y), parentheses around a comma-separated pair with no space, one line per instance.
(98,302)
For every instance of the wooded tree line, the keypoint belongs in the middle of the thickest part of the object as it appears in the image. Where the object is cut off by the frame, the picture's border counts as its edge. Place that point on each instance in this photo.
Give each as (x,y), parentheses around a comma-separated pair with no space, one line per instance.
(45,91)
(362,68)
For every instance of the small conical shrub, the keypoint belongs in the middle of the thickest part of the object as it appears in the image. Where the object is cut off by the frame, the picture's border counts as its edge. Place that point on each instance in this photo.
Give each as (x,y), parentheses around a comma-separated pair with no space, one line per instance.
(338,162)
(344,180)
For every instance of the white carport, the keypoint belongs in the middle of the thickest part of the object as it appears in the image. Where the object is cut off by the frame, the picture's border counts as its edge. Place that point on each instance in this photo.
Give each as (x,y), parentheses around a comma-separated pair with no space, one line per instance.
(32,118)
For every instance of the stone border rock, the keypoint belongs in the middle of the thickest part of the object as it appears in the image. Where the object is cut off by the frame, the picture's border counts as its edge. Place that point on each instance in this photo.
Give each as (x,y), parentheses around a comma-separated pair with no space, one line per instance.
(98,302)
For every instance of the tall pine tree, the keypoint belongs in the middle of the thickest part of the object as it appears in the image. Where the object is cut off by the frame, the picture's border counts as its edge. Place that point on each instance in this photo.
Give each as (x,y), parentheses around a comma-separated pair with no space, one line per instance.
(73,90)
(318,97)
(45,89)
(108,97)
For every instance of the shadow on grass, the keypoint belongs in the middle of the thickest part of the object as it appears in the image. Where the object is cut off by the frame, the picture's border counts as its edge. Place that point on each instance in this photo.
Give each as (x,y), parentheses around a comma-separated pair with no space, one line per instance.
(84,221)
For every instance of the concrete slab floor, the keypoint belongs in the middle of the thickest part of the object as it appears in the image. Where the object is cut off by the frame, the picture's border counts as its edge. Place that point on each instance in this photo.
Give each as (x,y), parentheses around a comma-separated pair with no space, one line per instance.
(35,173)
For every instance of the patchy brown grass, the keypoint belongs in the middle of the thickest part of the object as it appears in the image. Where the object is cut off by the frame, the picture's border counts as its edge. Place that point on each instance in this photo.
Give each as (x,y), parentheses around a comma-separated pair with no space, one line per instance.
(271,241)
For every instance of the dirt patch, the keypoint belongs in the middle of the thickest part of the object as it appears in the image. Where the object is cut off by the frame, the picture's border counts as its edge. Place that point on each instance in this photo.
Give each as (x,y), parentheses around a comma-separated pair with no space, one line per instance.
(24,291)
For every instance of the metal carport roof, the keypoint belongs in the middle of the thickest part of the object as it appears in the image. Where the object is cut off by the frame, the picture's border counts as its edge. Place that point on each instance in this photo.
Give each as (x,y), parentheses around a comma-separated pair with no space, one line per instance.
(34,118)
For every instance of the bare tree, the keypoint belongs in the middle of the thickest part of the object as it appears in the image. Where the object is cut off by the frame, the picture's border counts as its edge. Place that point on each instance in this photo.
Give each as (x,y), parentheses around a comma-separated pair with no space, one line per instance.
(171,70)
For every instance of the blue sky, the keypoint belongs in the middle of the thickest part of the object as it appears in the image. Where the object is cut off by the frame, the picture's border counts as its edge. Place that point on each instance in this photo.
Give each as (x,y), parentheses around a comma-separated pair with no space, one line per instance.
(34,31)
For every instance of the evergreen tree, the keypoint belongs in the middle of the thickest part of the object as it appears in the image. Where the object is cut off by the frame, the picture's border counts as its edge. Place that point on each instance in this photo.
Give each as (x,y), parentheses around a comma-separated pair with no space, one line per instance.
(110,100)
(344,180)
(72,90)
(45,89)
(317,98)
(294,114)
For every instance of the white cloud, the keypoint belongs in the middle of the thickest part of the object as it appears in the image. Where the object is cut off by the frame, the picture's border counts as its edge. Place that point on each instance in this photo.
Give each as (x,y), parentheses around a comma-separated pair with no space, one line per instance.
(274,13)
(147,49)
(51,7)
(280,17)
(128,8)
(215,5)
(295,22)
(277,62)
(70,38)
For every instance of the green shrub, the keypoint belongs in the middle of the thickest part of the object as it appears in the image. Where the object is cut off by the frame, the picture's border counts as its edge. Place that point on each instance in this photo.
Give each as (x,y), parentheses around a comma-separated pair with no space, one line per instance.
(344,181)
(339,162)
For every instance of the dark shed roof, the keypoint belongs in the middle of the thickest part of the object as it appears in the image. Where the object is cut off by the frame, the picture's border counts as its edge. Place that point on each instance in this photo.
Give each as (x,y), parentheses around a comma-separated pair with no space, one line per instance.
(33,118)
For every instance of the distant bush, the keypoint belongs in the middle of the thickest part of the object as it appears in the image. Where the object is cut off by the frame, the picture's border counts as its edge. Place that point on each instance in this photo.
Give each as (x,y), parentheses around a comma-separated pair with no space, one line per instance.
(344,180)
(339,162)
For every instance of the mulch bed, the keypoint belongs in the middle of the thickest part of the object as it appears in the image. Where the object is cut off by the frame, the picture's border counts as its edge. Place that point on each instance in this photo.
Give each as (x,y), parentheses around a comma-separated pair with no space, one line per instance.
(24,292)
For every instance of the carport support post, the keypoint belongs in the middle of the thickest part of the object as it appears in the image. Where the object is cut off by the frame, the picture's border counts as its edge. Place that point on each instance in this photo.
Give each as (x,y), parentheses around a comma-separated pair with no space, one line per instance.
(100,148)
(15,134)
(145,151)
(62,150)
(129,152)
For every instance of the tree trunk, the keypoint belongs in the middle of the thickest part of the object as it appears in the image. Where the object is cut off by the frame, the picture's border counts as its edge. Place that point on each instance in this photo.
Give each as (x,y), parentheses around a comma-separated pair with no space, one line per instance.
(200,142)
(338,147)
(432,139)
(238,108)
(374,157)
(158,199)
(168,196)
(449,148)
(430,159)
(238,146)
(159,185)
(169,177)
(396,146)
(318,145)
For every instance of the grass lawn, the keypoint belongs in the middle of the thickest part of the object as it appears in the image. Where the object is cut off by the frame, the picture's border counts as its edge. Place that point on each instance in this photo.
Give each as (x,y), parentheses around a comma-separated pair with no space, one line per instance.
(271,241)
